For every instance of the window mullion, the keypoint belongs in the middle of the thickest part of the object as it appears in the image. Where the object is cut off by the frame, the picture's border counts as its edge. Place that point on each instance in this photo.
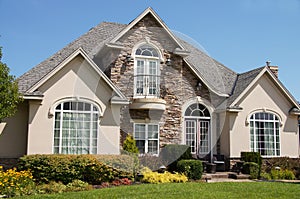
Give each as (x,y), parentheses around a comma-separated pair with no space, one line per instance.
(60,129)
(146,138)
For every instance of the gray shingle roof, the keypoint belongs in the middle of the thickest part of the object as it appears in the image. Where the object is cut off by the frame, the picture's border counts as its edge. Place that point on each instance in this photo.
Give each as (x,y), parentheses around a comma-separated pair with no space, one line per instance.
(242,82)
(217,76)
(95,38)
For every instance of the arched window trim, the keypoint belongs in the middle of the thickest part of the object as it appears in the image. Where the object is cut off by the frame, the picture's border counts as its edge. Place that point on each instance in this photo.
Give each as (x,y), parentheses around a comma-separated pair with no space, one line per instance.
(74,99)
(146,76)
(210,109)
(263,110)
(137,46)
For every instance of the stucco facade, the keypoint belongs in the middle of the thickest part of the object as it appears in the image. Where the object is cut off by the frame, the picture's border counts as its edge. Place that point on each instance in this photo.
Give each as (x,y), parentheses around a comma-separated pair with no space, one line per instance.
(182,96)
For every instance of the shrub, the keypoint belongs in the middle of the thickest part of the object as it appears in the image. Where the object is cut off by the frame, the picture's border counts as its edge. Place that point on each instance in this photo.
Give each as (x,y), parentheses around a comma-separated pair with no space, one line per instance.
(123,181)
(166,177)
(173,153)
(125,164)
(66,168)
(252,169)
(150,161)
(283,174)
(59,187)
(51,187)
(252,157)
(78,185)
(15,183)
(292,164)
(129,145)
(191,168)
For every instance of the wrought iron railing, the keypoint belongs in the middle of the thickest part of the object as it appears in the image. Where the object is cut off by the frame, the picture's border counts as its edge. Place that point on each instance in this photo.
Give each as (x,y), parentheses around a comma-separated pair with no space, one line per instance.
(147,85)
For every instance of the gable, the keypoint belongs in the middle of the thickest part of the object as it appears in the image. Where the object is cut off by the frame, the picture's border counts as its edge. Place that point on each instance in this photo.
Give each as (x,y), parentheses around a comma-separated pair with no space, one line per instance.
(245,85)
(78,63)
(147,19)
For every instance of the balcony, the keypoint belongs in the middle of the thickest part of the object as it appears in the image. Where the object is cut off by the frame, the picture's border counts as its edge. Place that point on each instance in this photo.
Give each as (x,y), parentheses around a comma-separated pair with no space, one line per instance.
(147,93)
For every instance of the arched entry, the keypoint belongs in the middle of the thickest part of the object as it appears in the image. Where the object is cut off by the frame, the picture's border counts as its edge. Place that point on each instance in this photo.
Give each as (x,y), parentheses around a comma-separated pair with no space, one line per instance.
(197,129)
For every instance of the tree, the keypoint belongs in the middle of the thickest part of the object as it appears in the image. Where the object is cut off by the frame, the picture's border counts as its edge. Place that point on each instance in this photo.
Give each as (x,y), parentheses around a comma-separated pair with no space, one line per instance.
(129,145)
(9,94)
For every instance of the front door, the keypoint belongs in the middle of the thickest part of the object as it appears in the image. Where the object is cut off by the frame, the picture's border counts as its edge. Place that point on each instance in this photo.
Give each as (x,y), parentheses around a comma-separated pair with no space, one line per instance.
(197,135)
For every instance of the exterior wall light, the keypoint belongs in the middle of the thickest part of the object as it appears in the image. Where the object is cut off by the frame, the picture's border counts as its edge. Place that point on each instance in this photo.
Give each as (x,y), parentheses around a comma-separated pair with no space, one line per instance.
(168,62)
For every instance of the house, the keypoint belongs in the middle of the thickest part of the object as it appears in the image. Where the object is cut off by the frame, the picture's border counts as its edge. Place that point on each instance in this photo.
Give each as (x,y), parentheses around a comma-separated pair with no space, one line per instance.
(141,78)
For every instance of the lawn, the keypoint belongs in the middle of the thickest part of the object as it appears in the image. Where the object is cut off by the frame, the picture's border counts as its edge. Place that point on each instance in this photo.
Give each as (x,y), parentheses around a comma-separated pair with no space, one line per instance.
(189,190)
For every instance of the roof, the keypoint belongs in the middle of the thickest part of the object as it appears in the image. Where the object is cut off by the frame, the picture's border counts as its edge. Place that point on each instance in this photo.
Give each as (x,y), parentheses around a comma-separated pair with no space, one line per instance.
(95,38)
(243,80)
(218,78)
(215,75)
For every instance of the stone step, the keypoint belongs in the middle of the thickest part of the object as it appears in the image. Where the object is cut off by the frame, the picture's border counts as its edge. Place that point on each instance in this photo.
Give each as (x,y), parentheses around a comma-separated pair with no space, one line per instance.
(238,176)
(224,175)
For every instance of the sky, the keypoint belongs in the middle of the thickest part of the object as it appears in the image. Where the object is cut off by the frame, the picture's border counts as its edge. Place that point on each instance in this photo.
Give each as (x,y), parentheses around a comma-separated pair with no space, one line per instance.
(241,34)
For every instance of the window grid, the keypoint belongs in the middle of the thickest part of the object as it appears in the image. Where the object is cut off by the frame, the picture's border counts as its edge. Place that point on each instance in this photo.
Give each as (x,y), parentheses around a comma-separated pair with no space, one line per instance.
(147,138)
(75,128)
(264,134)
(146,77)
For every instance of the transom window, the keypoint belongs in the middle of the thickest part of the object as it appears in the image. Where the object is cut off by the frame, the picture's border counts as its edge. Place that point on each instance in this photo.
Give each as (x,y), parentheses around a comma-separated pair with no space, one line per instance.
(147,138)
(146,50)
(264,134)
(76,128)
(146,74)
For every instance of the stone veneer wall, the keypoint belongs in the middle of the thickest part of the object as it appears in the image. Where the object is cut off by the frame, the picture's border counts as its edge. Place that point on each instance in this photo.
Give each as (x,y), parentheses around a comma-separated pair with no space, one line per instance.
(178,83)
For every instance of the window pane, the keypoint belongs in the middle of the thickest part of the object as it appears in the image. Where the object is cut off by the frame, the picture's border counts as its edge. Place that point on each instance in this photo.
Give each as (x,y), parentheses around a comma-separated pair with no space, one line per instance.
(140,145)
(77,128)
(264,133)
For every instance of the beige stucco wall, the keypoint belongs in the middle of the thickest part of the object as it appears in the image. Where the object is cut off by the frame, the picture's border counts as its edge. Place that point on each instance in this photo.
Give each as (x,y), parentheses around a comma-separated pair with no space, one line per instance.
(76,80)
(263,96)
(13,133)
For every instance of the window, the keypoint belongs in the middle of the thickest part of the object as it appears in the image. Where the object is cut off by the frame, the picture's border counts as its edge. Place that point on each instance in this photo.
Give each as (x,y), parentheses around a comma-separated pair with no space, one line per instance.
(147,138)
(146,77)
(197,128)
(264,134)
(75,128)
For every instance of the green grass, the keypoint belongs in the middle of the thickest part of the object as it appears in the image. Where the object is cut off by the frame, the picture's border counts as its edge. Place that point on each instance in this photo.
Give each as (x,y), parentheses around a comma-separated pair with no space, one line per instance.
(189,190)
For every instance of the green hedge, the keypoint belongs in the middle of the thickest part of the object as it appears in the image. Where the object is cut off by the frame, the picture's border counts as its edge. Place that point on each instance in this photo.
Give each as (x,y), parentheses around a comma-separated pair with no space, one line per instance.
(252,157)
(191,168)
(67,168)
(173,153)
(252,169)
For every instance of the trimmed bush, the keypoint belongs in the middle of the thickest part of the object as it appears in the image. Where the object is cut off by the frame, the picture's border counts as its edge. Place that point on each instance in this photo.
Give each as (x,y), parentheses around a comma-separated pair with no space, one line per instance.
(166,177)
(252,157)
(191,168)
(66,168)
(123,163)
(252,169)
(173,153)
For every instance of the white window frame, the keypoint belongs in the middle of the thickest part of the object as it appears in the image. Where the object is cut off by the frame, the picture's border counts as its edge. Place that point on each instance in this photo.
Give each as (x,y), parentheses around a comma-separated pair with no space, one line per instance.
(147,139)
(93,128)
(198,129)
(146,73)
(274,132)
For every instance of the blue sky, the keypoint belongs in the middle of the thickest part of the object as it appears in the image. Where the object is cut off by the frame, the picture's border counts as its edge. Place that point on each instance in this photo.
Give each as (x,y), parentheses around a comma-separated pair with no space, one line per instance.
(241,34)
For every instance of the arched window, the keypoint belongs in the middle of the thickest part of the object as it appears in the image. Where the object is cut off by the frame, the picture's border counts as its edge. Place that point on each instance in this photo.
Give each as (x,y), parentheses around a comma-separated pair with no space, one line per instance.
(197,128)
(75,128)
(146,73)
(264,134)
